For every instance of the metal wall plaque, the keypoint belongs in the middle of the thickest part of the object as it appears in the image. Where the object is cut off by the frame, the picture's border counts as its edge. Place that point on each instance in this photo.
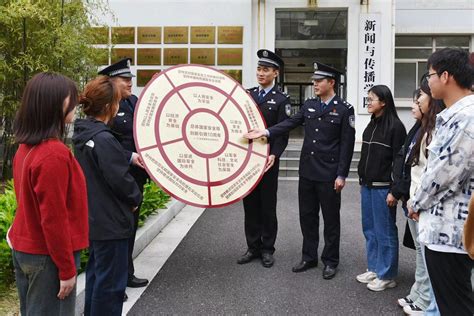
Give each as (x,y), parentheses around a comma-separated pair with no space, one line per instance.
(145,75)
(234,73)
(189,125)
(229,56)
(175,35)
(175,56)
(120,53)
(149,35)
(100,35)
(203,34)
(123,35)
(148,56)
(203,56)
(230,34)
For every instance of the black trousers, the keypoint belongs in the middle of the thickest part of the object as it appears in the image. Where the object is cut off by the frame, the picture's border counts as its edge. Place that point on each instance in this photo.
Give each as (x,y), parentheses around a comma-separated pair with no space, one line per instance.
(140,177)
(260,222)
(313,195)
(450,276)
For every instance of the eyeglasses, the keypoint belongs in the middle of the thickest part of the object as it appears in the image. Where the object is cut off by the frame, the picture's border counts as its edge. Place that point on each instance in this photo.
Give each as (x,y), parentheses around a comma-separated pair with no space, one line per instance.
(428,75)
(369,100)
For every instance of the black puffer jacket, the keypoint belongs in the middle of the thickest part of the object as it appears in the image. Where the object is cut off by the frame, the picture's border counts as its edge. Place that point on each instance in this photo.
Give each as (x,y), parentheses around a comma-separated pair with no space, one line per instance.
(402,170)
(112,192)
(379,149)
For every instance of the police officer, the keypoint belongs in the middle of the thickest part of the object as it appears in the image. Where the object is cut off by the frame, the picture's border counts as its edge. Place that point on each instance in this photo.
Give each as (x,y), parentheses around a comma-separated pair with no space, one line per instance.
(324,165)
(260,205)
(123,126)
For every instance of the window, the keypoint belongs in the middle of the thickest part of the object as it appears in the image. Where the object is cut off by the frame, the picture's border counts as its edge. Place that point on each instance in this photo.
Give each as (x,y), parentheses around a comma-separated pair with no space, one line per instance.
(411,54)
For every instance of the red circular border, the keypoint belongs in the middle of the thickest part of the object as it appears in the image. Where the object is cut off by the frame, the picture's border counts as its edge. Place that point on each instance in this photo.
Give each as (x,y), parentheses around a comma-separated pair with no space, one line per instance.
(164,154)
(163,72)
(190,146)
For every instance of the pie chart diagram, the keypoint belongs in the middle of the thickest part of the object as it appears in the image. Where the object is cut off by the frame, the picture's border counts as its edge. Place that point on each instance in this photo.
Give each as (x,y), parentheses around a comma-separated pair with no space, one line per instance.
(188,127)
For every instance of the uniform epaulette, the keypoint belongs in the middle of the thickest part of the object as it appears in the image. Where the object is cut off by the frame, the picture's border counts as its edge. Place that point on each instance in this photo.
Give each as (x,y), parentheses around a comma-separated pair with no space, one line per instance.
(254,89)
(286,95)
(347,104)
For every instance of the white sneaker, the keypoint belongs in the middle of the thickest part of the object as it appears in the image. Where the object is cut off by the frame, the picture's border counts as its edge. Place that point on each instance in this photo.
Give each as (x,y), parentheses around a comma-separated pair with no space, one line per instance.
(378,285)
(366,277)
(402,302)
(412,309)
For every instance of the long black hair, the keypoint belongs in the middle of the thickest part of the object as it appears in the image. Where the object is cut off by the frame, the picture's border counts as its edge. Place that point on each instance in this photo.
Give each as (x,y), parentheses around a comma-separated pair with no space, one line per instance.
(389,116)
(41,114)
(428,122)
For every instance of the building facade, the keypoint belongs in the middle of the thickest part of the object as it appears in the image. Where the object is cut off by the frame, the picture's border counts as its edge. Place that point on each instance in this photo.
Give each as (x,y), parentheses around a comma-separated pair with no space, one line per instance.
(371,41)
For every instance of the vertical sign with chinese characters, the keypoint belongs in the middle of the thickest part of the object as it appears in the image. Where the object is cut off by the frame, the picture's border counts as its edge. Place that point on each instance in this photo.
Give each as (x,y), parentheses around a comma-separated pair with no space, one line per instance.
(369,56)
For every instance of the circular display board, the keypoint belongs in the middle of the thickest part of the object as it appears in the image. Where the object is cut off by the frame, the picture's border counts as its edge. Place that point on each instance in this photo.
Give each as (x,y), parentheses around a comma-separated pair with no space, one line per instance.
(188,127)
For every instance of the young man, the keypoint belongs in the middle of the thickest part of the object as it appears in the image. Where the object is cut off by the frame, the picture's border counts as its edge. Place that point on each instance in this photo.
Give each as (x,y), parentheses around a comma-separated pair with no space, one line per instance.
(260,205)
(441,202)
(324,165)
(123,126)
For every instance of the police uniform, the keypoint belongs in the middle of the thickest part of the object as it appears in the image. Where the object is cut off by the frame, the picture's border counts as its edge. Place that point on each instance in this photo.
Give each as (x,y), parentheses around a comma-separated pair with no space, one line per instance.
(260,205)
(122,127)
(326,154)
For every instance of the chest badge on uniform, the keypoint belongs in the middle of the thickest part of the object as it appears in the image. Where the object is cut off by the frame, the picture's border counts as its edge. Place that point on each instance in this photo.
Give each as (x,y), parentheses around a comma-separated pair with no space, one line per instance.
(271,101)
(311,110)
(120,113)
(335,102)
(288,109)
(334,113)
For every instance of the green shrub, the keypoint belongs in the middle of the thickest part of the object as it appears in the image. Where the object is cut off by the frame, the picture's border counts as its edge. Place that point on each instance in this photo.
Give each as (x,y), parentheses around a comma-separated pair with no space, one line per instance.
(154,198)
(7,213)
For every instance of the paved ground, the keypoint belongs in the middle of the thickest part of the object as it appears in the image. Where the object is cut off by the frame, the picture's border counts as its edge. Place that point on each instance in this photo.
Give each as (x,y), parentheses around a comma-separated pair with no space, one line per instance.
(202,278)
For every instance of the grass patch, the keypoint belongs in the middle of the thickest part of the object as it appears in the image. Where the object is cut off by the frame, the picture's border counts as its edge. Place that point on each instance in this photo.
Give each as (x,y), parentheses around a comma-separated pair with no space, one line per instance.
(9,304)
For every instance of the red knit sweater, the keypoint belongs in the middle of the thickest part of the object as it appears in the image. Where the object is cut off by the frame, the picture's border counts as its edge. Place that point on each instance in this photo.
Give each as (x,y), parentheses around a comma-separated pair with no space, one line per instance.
(51,218)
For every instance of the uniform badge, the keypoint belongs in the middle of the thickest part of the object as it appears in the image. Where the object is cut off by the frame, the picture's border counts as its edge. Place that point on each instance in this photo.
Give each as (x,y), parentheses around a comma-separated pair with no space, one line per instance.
(311,110)
(265,53)
(271,101)
(120,113)
(352,121)
(335,102)
(288,109)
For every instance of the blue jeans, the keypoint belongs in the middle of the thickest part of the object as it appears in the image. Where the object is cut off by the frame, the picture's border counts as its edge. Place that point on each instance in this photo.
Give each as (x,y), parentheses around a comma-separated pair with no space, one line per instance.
(420,290)
(380,231)
(106,277)
(37,281)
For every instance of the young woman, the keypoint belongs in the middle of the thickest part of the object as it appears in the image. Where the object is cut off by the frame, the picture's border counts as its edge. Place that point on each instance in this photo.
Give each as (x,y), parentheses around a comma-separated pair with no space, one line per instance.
(382,139)
(50,226)
(113,196)
(419,298)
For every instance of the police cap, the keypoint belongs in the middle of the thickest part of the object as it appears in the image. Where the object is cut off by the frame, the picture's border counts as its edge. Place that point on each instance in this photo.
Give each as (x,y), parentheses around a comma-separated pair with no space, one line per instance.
(322,71)
(269,59)
(119,69)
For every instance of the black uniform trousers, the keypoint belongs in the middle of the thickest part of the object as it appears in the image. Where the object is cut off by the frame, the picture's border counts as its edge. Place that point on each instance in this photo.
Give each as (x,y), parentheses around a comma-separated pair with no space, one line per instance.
(313,195)
(260,222)
(450,276)
(140,178)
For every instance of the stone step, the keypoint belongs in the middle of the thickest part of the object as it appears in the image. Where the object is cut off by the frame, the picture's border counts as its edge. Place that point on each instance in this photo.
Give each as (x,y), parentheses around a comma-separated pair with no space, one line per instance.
(290,172)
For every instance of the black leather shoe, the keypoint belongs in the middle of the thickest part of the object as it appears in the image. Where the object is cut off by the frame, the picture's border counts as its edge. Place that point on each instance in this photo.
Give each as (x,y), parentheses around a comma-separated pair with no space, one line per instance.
(125,297)
(329,272)
(133,281)
(267,260)
(247,257)
(304,265)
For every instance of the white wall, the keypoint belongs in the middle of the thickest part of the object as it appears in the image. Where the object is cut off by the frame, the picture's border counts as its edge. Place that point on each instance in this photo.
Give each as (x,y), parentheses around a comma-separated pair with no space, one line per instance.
(434,16)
